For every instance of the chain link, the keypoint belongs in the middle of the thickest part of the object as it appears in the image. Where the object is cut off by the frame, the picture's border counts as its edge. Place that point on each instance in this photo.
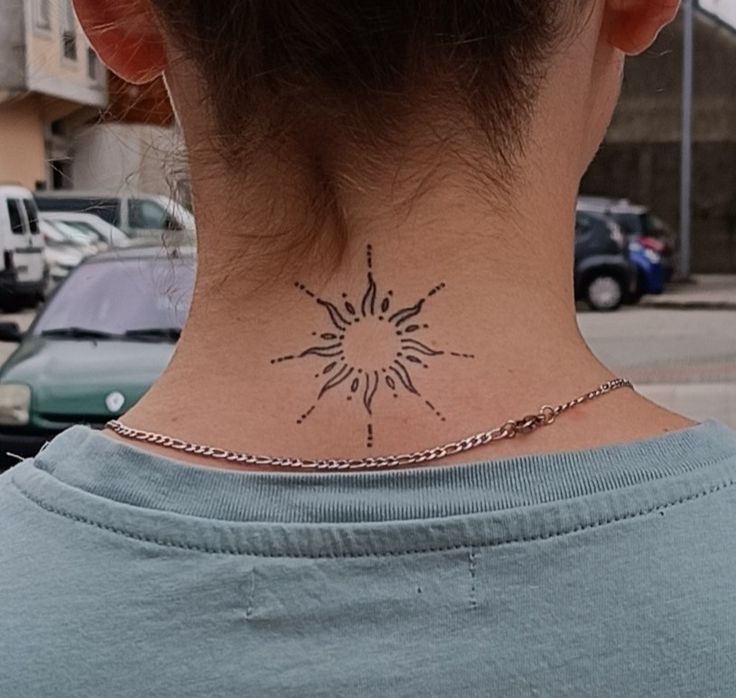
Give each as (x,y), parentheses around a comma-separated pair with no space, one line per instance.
(545,416)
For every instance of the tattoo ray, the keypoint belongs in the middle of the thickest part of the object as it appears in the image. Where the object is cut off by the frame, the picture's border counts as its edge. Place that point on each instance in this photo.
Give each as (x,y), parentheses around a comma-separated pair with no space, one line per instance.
(369,299)
(302,287)
(342,375)
(371,385)
(304,417)
(337,319)
(401,316)
(403,375)
(419,347)
(281,359)
(323,351)
(462,356)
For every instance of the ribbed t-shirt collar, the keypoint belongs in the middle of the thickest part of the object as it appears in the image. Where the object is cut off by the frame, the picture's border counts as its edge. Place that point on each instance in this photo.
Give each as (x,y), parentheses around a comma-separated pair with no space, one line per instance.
(90,461)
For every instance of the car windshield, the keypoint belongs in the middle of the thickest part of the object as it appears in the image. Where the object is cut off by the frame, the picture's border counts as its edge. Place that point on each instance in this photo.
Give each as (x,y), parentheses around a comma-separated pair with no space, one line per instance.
(138,298)
(631,223)
(85,229)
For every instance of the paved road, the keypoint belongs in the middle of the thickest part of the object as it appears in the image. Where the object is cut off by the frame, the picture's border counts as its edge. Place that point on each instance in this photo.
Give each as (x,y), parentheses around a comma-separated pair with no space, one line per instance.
(683,359)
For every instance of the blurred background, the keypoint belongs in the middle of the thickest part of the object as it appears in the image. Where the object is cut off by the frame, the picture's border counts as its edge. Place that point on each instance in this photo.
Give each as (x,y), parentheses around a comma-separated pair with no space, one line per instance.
(94,190)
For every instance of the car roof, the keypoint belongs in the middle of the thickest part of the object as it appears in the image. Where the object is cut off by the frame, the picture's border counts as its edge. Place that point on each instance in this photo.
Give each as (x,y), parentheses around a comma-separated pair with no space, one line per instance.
(87,194)
(15,190)
(142,252)
(602,204)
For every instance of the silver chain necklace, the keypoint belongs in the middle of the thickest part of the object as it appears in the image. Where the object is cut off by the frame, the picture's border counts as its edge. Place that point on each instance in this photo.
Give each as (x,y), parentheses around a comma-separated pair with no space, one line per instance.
(546,415)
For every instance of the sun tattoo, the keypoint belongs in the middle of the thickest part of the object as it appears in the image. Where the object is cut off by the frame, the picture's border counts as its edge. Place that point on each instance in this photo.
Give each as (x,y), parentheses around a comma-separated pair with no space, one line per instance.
(376,326)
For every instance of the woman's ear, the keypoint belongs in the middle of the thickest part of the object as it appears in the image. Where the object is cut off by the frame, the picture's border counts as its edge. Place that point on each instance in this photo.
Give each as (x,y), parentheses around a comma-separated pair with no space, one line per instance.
(632,25)
(126,36)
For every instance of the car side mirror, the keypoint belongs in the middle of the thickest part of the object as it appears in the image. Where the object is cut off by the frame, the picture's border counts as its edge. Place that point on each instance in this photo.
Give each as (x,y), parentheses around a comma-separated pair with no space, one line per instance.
(10,332)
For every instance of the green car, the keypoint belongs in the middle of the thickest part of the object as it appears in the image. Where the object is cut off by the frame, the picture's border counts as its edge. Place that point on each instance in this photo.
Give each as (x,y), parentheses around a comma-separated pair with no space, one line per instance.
(103,338)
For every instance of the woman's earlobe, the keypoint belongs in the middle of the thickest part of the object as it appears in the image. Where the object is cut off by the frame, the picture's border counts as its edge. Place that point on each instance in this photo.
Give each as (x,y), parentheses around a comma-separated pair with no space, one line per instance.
(632,26)
(126,37)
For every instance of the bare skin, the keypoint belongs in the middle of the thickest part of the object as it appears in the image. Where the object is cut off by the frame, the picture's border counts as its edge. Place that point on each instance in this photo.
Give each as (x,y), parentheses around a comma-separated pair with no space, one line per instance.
(504,262)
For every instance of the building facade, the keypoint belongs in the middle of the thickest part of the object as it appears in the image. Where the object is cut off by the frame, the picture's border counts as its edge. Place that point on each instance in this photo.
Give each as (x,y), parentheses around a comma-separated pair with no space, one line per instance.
(51,84)
(640,159)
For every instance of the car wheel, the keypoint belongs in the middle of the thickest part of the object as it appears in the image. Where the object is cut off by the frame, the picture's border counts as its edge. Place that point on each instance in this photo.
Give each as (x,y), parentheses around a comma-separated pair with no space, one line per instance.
(604,293)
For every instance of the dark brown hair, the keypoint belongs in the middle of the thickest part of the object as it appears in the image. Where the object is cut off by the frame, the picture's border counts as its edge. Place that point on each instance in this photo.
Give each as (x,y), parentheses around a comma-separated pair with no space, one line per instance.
(355,61)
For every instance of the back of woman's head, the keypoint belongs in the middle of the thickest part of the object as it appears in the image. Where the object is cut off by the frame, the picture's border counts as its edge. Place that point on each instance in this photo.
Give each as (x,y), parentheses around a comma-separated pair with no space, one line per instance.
(355,65)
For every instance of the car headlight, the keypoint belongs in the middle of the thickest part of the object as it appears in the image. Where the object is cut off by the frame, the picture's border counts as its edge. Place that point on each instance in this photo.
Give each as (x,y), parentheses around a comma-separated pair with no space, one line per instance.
(15,404)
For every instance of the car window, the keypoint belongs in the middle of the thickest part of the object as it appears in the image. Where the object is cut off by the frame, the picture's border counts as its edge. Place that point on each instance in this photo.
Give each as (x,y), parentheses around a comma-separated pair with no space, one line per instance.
(631,223)
(150,215)
(74,234)
(157,294)
(586,223)
(658,226)
(32,213)
(85,228)
(106,208)
(16,218)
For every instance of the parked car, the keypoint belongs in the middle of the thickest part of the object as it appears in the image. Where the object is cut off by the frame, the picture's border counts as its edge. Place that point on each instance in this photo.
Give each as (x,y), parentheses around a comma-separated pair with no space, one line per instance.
(23,271)
(61,254)
(138,215)
(88,356)
(62,233)
(640,224)
(604,273)
(92,224)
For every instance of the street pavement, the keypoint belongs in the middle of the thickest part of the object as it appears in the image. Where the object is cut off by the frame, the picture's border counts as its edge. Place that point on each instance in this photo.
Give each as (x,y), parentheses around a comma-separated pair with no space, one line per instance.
(682,357)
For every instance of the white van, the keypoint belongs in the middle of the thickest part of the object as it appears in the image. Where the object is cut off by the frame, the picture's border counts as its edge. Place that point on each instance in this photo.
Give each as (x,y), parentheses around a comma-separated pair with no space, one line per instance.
(138,215)
(23,271)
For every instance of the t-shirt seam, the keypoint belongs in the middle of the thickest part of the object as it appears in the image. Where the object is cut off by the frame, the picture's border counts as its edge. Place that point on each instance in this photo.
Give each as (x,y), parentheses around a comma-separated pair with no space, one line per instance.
(389,553)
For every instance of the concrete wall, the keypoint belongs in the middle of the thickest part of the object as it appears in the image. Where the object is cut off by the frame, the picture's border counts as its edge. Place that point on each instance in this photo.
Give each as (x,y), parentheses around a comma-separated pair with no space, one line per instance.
(22,148)
(641,156)
(113,157)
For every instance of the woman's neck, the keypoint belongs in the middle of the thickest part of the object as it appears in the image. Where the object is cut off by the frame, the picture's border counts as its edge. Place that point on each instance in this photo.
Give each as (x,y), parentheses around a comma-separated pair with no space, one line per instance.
(440,316)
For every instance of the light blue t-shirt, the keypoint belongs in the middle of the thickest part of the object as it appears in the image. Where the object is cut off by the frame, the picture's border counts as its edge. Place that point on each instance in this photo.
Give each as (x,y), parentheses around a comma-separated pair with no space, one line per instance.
(609,572)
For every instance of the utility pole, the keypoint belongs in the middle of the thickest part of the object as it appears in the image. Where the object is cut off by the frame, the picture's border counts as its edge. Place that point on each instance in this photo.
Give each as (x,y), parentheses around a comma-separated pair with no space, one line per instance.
(686,159)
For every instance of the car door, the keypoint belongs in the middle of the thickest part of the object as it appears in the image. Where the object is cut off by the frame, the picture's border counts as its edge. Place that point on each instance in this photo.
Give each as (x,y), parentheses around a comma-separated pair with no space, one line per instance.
(27,244)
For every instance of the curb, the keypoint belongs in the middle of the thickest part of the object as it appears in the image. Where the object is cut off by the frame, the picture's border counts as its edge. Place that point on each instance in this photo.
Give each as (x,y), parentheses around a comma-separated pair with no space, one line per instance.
(687,304)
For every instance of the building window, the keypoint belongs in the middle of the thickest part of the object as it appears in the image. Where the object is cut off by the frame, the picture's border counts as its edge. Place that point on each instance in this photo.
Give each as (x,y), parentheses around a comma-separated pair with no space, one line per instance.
(93,65)
(68,30)
(42,14)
